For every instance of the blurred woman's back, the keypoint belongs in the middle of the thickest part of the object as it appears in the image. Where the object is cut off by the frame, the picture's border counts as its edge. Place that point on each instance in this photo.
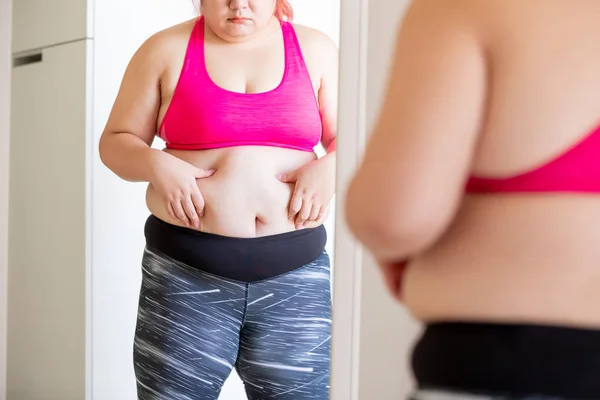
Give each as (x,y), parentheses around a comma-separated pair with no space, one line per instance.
(526,248)
(479,195)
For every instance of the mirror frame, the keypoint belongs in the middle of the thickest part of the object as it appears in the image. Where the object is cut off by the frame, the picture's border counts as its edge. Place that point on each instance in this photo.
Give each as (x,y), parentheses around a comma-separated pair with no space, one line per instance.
(348,254)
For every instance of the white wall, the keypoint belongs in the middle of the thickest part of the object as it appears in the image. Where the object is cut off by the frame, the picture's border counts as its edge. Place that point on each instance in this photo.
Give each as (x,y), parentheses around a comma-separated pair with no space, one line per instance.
(5,67)
(119,208)
(319,14)
(386,331)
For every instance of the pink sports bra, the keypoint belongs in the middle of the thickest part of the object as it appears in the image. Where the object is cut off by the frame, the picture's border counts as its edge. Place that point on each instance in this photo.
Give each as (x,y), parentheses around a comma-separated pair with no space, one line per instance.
(203,115)
(575,170)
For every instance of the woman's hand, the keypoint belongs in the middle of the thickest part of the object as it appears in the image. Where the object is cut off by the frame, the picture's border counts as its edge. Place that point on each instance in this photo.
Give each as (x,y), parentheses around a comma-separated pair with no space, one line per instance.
(392,275)
(175,181)
(314,187)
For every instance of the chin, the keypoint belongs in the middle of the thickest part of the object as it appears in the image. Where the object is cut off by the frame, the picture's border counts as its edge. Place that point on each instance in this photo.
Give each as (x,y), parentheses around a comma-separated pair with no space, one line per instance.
(239,30)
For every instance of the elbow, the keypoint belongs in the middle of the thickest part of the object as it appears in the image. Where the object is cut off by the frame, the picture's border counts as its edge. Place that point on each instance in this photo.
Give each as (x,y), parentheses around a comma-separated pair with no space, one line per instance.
(106,150)
(102,149)
(391,231)
(107,155)
(330,148)
(393,238)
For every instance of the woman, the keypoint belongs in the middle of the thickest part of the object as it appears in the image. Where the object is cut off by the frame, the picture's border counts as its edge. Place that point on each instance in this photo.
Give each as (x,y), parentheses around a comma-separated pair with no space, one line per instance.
(235,274)
(478,194)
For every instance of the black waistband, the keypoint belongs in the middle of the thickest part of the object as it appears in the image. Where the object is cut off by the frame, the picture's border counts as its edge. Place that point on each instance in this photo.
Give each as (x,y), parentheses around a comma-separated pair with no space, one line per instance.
(242,259)
(509,360)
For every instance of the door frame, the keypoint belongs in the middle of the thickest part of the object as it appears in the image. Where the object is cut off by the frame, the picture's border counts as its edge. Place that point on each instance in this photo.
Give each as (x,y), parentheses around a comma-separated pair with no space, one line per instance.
(5,74)
(348,252)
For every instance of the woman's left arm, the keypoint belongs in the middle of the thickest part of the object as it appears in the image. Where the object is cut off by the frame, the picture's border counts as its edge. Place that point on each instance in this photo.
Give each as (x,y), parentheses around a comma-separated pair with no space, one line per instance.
(410,183)
(328,92)
(315,182)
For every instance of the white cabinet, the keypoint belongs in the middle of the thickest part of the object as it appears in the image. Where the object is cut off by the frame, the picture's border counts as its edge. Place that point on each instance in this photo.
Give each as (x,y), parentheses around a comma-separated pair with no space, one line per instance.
(43,23)
(47,225)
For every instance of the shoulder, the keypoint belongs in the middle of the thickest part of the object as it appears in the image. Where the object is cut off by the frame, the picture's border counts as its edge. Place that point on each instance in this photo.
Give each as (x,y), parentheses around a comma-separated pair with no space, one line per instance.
(314,41)
(161,47)
(459,15)
(317,47)
(452,8)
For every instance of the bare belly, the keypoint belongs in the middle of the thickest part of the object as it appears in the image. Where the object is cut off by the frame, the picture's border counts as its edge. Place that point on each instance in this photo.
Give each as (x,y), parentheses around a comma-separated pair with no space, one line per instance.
(243,197)
(513,259)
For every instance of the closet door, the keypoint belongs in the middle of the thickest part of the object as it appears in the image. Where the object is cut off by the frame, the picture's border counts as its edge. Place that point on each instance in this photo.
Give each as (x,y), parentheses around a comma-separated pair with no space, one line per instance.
(47,226)
(43,23)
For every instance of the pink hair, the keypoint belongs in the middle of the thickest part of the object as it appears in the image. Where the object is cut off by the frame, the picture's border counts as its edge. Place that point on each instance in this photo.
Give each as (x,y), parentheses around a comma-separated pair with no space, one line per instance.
(284,10)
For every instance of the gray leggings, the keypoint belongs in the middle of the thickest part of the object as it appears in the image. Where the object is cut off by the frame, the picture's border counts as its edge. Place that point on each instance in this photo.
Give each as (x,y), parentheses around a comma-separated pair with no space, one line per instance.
(193,328)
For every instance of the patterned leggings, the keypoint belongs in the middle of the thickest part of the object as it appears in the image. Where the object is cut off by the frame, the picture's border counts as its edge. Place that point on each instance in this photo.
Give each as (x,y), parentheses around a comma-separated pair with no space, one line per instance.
(193,328)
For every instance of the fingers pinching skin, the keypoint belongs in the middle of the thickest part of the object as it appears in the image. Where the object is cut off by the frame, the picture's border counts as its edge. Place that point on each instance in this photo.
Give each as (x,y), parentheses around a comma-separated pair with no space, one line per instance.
(295,204)
(190,211)
(304,213)
(198,201)
(179,212)
(171,211)
(315,212)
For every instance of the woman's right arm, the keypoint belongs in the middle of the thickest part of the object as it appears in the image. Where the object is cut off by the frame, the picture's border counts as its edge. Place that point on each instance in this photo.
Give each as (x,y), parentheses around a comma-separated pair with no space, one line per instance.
(125,145)
(410,184)
(126,140)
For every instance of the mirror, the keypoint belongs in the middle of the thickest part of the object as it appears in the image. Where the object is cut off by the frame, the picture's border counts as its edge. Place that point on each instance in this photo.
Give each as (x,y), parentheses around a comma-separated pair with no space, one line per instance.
(182,158)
